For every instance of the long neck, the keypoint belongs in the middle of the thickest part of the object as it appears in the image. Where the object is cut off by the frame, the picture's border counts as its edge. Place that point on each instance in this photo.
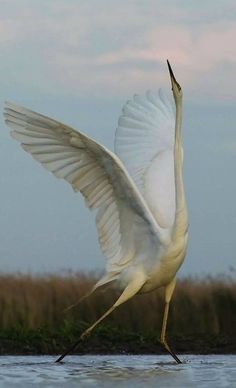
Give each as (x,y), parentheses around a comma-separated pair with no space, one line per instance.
(181,218)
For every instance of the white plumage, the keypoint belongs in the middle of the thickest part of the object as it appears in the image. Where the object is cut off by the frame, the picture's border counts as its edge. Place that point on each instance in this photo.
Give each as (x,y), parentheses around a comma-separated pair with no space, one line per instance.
(137,191)
(144,142)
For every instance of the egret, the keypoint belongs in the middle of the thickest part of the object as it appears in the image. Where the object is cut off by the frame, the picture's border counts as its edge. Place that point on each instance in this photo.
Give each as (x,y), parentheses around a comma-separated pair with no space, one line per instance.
(138,191)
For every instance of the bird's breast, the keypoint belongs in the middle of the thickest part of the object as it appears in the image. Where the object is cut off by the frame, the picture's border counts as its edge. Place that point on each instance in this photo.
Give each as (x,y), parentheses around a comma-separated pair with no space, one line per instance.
(164,270)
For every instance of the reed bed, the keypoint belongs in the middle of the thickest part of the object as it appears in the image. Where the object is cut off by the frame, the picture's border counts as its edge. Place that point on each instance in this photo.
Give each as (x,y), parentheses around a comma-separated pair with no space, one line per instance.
(32,310)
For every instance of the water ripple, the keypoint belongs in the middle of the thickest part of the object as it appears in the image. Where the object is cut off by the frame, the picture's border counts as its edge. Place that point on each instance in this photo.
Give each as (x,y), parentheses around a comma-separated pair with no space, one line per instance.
(118,371)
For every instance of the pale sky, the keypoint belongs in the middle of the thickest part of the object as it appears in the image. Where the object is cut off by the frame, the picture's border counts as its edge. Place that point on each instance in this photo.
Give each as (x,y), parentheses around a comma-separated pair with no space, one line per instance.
(79,61)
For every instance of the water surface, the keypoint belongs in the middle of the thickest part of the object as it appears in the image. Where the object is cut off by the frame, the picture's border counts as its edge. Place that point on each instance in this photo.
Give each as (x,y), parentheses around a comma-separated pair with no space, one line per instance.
(118,371)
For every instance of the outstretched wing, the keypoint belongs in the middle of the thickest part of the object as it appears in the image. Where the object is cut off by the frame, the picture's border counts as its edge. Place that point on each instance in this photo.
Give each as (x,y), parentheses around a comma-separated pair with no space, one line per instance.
(144,142)
(124,222)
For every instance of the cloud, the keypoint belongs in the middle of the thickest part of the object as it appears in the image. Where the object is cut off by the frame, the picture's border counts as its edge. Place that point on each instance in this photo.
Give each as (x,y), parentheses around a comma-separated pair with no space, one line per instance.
(84,48)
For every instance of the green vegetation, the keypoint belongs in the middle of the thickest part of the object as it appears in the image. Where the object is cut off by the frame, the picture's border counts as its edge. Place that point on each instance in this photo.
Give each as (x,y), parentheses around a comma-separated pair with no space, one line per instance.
(32,318)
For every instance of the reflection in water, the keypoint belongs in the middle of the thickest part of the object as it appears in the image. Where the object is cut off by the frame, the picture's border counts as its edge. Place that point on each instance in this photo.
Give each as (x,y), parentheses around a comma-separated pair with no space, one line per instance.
(118,371)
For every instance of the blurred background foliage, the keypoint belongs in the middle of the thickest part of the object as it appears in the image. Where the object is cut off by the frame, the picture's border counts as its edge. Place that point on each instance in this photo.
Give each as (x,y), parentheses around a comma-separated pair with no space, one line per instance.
(33,319)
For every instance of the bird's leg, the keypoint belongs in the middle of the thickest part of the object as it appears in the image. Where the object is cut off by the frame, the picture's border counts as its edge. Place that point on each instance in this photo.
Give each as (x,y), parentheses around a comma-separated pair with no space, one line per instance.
(133,287)
(163,334)
(85,334)
(168,294)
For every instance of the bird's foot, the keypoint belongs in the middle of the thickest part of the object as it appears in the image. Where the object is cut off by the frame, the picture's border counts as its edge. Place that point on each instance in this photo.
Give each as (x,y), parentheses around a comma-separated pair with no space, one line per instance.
(166,346)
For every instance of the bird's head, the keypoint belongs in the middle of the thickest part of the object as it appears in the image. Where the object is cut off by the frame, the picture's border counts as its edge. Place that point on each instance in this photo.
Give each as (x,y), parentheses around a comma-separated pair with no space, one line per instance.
(176,88)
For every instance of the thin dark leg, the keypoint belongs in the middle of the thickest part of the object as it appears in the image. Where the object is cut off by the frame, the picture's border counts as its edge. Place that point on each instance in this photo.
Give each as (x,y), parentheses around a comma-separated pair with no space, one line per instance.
(163,335)
(85,334)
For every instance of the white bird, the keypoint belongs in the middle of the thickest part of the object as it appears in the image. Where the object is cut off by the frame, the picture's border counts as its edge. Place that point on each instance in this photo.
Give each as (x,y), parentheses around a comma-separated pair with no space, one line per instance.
(138,191)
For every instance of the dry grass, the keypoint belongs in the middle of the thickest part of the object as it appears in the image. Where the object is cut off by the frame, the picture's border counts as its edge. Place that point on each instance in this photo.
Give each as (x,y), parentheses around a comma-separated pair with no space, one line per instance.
(199,306)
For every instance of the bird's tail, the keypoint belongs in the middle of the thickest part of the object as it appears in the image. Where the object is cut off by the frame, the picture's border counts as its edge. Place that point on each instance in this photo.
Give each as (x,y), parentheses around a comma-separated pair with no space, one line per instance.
(106,279)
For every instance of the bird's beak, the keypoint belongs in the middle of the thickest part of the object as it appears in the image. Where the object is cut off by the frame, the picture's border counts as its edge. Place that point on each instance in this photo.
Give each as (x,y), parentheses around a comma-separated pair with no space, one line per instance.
(175,86)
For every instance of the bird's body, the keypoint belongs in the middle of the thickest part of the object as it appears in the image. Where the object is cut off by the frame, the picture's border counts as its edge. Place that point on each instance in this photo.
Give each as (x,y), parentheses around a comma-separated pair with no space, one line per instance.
(159,269)
(137,191)
(166,267)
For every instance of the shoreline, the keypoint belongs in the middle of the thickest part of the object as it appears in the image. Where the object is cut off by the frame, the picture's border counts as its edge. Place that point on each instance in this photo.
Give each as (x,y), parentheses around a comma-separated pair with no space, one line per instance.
(35,343)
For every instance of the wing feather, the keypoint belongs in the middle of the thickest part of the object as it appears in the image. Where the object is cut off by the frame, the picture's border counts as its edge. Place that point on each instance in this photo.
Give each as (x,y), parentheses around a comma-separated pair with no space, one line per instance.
(144,142)
(123,219)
